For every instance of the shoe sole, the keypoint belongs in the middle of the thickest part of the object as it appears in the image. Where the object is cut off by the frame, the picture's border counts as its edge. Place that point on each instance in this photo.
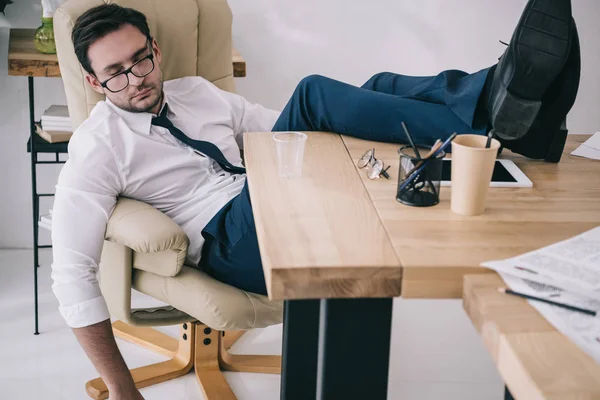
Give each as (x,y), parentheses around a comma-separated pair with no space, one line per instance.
(547,140)
(540,47)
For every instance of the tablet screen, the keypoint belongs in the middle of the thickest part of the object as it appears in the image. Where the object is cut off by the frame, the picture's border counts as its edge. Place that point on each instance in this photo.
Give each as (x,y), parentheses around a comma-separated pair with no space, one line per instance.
(500,174)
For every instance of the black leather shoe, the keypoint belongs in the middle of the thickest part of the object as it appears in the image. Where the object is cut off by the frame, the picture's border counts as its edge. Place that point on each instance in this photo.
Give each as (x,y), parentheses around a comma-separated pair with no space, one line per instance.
(537,53)
(547,136)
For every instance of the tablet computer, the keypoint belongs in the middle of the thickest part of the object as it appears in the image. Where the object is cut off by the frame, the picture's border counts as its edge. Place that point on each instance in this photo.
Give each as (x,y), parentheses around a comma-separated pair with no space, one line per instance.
(506,174)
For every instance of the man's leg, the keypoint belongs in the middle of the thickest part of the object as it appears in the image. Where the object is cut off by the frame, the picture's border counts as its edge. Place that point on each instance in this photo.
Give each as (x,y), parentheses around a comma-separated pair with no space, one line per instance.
(230,253)
(424,87)
(448,87)
(432,107)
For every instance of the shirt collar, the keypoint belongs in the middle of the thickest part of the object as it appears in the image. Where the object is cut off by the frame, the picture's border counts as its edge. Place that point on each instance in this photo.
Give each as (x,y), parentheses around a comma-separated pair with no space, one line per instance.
(140,122)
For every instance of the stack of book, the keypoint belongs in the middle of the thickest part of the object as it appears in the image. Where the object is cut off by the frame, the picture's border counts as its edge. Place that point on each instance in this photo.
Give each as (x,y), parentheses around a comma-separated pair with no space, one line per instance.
(56,125)
(46,221)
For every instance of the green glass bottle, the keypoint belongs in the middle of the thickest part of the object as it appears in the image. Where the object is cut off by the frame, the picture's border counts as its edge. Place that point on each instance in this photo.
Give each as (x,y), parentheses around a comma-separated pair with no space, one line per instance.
(44,37)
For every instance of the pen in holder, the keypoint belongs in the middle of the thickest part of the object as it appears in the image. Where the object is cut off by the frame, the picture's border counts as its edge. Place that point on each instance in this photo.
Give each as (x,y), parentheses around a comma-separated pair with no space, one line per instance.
(419,177)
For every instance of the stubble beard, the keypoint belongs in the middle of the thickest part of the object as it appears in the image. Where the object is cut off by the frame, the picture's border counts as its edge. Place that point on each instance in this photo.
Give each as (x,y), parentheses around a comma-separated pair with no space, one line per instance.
(157,97)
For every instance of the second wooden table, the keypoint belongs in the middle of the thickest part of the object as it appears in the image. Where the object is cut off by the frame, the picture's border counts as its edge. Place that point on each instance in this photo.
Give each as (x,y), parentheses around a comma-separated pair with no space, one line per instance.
(25,60)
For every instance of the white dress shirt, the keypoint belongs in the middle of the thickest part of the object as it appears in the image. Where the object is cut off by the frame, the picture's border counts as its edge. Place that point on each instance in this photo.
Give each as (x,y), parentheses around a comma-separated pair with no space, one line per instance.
(119,153)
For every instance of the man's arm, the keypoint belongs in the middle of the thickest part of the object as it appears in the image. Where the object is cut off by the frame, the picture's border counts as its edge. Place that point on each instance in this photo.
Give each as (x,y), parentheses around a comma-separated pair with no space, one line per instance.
(247,116)
(86,193)
(99,344)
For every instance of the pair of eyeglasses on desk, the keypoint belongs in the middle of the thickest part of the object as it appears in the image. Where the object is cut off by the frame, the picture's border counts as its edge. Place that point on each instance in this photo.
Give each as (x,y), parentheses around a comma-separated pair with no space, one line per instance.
(375,166)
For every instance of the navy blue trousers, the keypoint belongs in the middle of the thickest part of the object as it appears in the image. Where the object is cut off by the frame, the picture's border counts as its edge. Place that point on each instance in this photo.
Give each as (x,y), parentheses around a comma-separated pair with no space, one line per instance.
(432,107)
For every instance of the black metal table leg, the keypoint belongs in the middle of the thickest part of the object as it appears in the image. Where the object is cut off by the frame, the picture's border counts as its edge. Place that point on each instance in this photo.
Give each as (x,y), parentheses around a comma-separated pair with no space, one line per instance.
(299,355)
(34,200)
(354,349)
(507,394)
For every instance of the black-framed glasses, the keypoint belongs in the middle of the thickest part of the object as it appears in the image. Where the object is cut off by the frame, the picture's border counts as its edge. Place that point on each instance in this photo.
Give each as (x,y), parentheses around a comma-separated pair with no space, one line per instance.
(140,69)
(375,166)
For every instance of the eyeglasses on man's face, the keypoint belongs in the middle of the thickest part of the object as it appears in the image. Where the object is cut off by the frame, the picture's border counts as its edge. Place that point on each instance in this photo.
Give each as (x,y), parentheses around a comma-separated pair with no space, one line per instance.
(140,69)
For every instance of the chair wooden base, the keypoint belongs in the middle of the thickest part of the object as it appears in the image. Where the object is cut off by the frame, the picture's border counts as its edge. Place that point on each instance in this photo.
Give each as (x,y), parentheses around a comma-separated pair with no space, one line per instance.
(198,347)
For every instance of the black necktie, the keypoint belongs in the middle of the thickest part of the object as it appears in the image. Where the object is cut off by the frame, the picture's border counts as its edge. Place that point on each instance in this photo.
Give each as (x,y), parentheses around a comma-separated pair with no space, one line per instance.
(206,148)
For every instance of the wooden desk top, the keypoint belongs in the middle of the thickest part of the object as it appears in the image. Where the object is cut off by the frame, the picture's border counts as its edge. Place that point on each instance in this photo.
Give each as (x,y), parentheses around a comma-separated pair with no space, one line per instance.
(535,360)
(437,247)
(319,235)
(25,60)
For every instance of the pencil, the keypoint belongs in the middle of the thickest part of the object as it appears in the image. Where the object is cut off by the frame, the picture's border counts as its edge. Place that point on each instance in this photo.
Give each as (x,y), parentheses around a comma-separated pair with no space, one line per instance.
(554,303)
(411,141)
(489,139)
(417,171)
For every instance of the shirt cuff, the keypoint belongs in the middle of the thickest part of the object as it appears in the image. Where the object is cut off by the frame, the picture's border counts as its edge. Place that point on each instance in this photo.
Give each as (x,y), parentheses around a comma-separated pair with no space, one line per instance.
(85,313)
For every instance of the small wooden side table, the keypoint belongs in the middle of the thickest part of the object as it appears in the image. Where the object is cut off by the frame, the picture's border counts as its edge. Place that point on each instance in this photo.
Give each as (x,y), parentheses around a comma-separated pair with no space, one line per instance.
(25,60)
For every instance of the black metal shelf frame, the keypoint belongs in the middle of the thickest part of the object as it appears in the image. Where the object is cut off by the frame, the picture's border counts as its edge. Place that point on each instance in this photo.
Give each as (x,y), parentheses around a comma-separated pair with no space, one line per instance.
(35,146)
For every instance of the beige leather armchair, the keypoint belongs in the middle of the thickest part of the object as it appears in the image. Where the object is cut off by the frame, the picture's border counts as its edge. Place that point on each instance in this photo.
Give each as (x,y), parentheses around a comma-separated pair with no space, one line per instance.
(143,248)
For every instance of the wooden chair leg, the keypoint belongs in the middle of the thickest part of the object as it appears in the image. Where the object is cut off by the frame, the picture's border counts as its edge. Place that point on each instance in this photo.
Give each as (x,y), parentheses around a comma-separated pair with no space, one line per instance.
(206,363)
(248,363)
(148,338)
(179,365)
(230,337)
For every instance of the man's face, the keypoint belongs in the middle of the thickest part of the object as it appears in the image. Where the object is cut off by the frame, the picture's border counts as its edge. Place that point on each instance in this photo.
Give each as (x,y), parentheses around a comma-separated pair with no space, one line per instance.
(115,53)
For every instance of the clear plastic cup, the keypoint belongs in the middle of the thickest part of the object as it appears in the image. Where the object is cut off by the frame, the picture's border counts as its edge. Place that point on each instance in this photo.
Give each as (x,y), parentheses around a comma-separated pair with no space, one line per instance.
(289,147)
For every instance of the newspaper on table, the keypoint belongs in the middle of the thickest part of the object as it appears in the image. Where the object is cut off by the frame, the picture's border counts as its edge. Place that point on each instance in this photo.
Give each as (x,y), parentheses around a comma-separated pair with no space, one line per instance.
(566,272)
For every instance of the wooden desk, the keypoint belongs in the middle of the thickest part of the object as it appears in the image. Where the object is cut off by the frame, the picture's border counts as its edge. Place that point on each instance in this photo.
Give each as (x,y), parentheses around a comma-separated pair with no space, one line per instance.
(306,227)
(535,360)
(437,247)
(320,238)
(321,235)
(25,60)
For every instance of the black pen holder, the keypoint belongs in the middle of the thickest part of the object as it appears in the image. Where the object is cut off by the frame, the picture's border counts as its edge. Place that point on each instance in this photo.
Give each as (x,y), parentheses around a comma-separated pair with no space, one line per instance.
(419,178)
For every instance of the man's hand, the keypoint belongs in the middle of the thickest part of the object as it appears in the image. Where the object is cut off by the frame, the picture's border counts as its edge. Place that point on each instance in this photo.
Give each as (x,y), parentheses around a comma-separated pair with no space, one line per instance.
(98,342)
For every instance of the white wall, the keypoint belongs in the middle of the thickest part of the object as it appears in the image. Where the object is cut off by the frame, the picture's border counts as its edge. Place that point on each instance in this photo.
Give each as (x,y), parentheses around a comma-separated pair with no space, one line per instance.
(285,40)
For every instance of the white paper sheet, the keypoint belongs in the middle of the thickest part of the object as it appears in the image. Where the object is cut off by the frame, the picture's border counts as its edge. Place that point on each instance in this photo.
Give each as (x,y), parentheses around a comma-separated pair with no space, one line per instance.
(573,265)
(590,148)
(594,141)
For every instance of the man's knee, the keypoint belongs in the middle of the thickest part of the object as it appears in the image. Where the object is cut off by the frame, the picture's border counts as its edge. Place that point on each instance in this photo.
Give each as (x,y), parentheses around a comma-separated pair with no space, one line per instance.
(311,81)
(372,82)
(380,75)
(306,88)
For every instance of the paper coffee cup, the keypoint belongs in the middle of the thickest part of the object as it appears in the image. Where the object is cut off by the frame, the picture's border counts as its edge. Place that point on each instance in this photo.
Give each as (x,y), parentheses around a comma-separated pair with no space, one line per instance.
(472,168)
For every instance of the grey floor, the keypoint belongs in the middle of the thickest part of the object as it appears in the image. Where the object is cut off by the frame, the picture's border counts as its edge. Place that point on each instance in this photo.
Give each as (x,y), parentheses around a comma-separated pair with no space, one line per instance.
(435,351)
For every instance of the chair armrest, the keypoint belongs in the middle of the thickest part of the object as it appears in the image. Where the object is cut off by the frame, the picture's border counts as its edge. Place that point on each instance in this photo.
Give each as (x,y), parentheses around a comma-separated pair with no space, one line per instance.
(115,283)
(141,237)
(159,245)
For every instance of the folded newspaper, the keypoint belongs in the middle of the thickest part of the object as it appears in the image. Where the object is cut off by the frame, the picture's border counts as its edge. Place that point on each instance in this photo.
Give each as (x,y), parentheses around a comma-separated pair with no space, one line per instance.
(566,272)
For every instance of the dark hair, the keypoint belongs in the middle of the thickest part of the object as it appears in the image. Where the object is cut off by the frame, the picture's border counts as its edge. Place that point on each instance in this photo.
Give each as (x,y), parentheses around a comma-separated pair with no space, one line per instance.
(98,22)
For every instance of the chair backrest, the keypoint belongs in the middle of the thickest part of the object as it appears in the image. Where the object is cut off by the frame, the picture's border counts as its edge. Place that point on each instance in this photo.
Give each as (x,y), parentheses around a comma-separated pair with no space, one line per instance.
(194,37)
